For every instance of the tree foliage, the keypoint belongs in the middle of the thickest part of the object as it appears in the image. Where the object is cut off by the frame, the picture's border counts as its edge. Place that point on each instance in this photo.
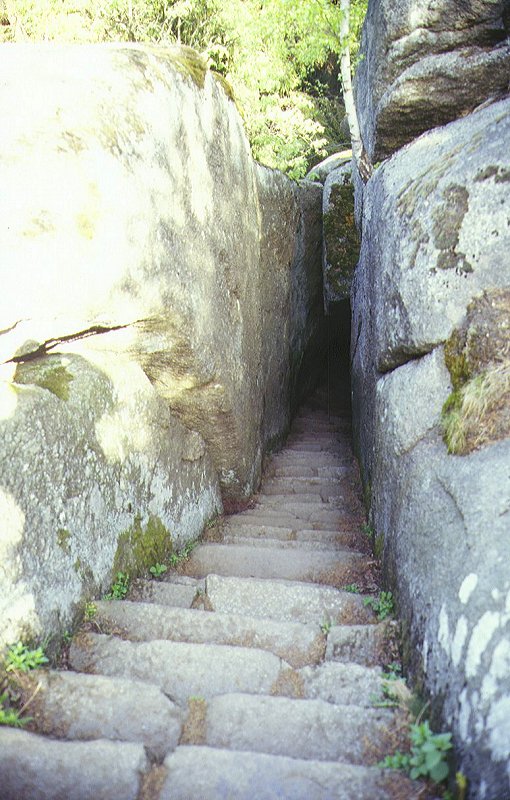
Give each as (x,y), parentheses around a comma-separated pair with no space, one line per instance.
(280,56)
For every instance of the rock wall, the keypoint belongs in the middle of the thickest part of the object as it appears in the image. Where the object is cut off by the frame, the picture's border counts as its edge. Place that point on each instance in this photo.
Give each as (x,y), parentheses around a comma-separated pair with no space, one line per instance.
(154,315)
(430,362)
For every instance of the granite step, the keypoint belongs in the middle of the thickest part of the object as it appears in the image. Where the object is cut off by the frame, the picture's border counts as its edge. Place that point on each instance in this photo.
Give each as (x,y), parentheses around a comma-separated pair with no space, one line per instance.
(335,567)
(34,767)
(234,529)
(286,601)
(206,773)
(76,706)
(305,729)
(181,670)
(297,643)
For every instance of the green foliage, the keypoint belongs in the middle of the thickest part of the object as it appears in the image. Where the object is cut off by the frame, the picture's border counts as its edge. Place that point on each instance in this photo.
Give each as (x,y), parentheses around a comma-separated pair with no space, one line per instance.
(120,587)
(157,570)
(90,611)
(9,716)
(280,57)
(382,605)
(182,555)
(326,626)
(426,758)
(20,658)
(352,587)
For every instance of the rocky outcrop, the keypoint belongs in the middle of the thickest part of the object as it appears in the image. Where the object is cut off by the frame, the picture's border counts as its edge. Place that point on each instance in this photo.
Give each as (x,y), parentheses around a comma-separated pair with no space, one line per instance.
(431,375)
(426,65)
(161,296)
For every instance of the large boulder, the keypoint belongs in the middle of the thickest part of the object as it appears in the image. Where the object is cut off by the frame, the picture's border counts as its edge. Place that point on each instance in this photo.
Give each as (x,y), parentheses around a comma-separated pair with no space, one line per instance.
(96,475)
(425,64)
(161,297)
(132,217)
(429,333)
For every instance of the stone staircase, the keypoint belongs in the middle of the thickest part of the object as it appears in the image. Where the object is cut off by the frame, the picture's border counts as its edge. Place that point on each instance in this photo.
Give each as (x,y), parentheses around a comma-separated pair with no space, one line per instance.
(248,675)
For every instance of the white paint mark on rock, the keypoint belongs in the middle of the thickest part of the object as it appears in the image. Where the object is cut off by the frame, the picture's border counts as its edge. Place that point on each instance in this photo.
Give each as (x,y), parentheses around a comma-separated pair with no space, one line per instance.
(480,638)
(467,587)
(459,639)
(498,723)
(499,670)
(464,714)
(444,631)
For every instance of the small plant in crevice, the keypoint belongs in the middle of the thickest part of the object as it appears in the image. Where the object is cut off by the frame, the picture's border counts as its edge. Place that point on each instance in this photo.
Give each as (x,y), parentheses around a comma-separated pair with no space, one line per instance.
(427,756)
(157,570)
(352,587)
(383,605)
(177,558)
(394,691)
(90,611)
(326,626)
(119,588)
(11,716)
(20,658)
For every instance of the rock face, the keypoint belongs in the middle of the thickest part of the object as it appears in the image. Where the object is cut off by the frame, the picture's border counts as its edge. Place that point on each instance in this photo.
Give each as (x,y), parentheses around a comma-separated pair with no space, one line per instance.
(161,297)
(430,367)
(426,64)
(340,237)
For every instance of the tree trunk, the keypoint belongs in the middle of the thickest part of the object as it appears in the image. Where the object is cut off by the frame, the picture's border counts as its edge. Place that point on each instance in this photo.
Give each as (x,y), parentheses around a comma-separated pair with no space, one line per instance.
(363,162)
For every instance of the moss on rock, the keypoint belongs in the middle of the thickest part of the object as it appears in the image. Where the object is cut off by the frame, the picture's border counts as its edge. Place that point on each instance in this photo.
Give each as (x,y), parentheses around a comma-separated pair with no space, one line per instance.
(141,546)
(478,358)
(48,373)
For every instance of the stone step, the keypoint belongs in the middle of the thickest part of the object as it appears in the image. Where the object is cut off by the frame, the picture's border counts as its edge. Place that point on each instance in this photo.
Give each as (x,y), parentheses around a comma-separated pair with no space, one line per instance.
(297,643)
(300,458)
(296,471)
(286,601)
(341,683)
(34,767)
(282,545)
(307,729)
(299,504)
(235,529)
(273,519)
(311,514)
(206,773)
(172,592)
(326,447)
(335,567)
(300,486)
(362,644)
(180,669)
(71,705)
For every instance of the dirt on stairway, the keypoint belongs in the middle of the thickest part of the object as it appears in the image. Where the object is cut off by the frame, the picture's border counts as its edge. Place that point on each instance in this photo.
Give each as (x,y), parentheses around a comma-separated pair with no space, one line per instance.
(249,675)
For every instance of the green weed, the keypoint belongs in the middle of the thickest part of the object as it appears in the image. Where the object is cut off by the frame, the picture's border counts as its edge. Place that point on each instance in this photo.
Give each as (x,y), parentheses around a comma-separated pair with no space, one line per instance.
(426,758)
(20,658)
(326,626)
(383,605)
(90,611)
(120,587)
(157,570)
(352,587)
(183,554)
(9,716)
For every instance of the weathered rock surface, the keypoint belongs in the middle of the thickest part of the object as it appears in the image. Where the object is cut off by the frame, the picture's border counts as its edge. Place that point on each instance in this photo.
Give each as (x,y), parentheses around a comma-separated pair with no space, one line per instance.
(154,319)
(340,250)
(425,65)
(430,322)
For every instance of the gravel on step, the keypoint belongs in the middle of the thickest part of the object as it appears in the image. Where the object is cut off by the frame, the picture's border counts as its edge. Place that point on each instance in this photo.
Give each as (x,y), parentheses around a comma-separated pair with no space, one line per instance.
(180,669)
(286,600)
(71,705)
(295,642)
(35,767)
(205,773)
